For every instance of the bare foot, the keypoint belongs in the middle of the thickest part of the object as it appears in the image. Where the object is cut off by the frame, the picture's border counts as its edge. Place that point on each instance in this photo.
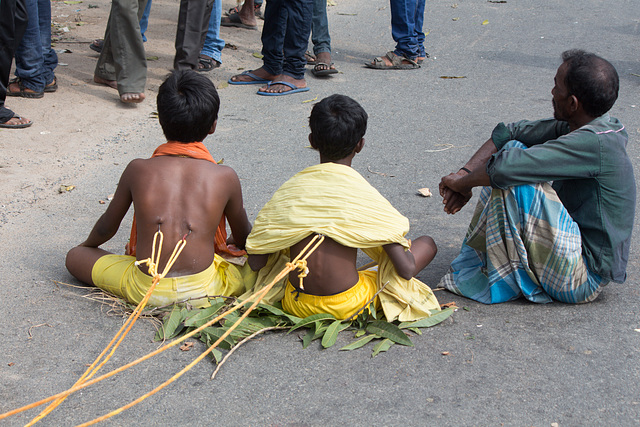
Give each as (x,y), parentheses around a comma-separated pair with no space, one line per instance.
(110,83)
(260,73)
(280,88)
(132,98)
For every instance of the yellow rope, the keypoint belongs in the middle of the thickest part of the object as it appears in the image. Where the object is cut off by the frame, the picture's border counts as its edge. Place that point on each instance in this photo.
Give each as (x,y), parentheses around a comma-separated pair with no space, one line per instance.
(152,263)
(298,262)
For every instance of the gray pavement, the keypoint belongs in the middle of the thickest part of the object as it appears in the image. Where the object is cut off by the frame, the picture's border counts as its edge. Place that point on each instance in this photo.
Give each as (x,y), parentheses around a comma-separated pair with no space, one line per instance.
(516,363)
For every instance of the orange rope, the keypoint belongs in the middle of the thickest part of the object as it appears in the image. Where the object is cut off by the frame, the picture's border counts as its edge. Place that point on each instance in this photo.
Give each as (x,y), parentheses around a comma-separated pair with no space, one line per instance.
(258,296)
(153,263)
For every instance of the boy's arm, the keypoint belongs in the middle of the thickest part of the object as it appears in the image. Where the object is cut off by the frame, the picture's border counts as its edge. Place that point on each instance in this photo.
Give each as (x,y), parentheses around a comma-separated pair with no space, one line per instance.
(408,263)
(108,224)
(235,213)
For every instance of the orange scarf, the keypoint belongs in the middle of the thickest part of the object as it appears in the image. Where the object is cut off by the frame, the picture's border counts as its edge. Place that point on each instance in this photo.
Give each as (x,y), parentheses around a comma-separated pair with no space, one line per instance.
(194,150)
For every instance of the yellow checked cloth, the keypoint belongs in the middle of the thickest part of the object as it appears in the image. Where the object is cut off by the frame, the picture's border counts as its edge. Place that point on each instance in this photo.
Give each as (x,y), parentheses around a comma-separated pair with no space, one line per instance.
(336,201)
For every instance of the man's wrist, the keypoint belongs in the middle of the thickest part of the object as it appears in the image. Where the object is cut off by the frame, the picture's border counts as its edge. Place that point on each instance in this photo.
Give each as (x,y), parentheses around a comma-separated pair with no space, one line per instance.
(464,169)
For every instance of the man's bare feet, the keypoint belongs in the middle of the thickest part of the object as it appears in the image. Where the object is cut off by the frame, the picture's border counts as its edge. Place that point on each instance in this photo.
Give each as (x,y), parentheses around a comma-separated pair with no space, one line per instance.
(283,84)
(101,81)
(127,98)
(245,18)
(258,76)
(132,98)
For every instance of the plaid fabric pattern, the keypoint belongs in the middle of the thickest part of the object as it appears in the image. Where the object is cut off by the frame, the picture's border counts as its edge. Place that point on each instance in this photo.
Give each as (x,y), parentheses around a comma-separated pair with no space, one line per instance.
(522,242)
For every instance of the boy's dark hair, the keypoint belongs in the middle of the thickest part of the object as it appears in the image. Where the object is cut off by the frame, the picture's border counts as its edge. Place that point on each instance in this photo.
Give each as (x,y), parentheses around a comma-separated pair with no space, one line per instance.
(188,105)
(592,79)
(337,124)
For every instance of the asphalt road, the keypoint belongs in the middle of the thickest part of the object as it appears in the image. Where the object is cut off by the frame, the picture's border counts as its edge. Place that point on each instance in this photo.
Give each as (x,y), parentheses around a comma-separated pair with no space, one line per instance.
(515,364)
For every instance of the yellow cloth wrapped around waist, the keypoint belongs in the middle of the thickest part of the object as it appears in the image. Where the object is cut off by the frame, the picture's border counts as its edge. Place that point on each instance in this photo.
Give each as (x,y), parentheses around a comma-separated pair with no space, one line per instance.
(118,274)
(336,201)
(341,306)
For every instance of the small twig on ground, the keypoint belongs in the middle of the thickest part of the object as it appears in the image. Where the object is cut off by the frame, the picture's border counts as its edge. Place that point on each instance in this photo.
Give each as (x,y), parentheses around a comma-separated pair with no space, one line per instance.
(224,359)
(37,326)
(379,173)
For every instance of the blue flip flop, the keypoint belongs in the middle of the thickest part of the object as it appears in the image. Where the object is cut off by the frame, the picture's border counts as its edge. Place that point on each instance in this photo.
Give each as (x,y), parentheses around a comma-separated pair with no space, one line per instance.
(256,80)
(294,89)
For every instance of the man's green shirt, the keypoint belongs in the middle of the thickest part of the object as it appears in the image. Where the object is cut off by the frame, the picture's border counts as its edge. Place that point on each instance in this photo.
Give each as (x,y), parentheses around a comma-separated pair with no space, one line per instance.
(591,173)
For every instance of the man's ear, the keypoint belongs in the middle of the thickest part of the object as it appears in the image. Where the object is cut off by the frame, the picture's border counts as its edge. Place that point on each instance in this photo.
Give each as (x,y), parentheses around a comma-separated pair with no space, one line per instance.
(213,127)
(311,141)
(574,103)
(359,145)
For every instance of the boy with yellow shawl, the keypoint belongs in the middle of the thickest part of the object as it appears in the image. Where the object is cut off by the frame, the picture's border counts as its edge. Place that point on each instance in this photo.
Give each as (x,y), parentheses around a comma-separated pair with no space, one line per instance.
(181,192)
(334,200)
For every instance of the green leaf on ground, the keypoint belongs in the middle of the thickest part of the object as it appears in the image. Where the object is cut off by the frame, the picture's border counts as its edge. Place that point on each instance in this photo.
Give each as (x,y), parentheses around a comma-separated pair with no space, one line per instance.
(390,331)
(428,321)
(333,330)
(359,343)
(311,319)
(382,346)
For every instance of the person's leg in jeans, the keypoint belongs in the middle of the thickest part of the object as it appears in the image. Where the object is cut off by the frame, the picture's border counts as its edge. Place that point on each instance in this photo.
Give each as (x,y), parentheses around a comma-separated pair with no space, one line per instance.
(418,30)
(13,22)
(298,28)
(144,21)
(211,53)
(275,21)
(321,39)
(29,59)
(403,27)
(48,53)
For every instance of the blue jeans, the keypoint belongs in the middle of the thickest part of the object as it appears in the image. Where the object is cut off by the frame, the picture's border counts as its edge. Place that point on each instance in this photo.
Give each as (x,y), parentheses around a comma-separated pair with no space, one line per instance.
(287,25)
(407,17)
(35,60)
(320,28)
(213,44)
(144,21)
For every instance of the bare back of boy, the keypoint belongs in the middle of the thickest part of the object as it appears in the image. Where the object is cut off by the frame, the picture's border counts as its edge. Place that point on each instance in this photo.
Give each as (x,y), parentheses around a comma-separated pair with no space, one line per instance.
(184,197)
(332,268)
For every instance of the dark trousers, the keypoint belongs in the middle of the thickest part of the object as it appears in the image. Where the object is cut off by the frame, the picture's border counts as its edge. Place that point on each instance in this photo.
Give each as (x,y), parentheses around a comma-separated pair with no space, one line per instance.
(193,24)
(13,23)
(287,25)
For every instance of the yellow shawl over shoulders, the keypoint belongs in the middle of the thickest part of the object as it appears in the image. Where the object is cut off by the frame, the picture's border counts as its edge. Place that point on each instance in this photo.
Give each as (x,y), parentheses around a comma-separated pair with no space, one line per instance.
(336,201)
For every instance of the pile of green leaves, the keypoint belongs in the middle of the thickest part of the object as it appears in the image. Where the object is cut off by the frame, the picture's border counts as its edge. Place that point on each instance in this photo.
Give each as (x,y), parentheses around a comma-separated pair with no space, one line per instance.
(367,326)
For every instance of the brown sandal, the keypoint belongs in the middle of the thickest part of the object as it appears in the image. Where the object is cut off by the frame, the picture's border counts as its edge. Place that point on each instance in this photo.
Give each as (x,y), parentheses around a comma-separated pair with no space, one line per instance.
(397,63)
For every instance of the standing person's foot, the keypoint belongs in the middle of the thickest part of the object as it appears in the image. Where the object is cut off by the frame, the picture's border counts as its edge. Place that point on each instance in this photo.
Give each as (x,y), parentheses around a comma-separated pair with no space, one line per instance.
(127,98)
(257,10)
(51,87)
(16,88)
(323,66)
(206,63)
(236,20)
(253,77)
(391,61)
(101,81)
(97,45)
(16,122)
(283,84)
(132,98)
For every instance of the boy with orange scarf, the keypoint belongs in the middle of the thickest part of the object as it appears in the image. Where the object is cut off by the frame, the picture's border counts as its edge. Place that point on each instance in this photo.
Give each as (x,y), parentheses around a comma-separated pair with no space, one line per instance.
(181,192)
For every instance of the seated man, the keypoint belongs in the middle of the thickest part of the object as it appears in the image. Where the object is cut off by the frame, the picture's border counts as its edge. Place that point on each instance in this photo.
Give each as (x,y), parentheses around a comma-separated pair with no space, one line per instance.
(564,240)
(180,192)
(334,200)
